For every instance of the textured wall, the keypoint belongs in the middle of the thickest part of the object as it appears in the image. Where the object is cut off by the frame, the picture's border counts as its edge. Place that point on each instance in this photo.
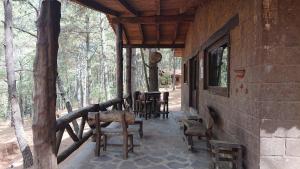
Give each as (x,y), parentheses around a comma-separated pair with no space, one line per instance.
(239,119)
(279,74)
(263,110)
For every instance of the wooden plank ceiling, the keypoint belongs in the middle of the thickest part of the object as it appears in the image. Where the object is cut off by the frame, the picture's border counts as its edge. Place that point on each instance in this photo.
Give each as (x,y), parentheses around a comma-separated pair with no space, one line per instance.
(149,23)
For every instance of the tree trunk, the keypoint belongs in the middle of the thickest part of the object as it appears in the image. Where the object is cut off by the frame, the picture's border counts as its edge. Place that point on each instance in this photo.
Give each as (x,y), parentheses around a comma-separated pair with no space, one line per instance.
(88,62)
(119,67)
(128,70)
(66,101)
(145,70)
(45,73)
(12,88)
(153,74)
(21,97)
(174,72)
(103,57)
(133,71)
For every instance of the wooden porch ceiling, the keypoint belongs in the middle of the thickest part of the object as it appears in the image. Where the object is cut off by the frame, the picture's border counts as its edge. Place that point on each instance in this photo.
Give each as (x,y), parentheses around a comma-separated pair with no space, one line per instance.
(151,23)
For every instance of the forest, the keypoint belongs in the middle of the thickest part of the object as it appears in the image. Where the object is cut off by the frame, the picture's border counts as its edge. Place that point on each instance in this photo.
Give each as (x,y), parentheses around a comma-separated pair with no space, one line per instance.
(86,58)
(86,65)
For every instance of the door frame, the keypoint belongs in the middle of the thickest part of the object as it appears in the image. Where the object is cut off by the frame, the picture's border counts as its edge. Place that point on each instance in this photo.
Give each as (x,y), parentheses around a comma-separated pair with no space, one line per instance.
(194,82)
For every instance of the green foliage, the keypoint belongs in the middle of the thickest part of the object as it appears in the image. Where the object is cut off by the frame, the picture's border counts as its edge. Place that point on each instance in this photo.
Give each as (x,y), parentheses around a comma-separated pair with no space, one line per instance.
(84,52)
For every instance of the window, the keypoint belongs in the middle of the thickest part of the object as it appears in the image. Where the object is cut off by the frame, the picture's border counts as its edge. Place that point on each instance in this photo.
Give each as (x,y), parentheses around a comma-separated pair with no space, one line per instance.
(217,67)
(184,73)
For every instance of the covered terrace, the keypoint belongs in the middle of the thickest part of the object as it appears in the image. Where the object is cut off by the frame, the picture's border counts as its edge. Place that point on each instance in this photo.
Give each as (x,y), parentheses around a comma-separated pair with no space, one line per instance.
(137,24)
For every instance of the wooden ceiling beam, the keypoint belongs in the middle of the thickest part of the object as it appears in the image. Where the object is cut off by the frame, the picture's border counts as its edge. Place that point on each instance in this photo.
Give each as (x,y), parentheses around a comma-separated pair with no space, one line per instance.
(125,34)
(142,33)
(157,25)
(92,4)
(168,19)
(157,33)
(175,33)
(153,45)
(133,11)
(129,7)
(189,4)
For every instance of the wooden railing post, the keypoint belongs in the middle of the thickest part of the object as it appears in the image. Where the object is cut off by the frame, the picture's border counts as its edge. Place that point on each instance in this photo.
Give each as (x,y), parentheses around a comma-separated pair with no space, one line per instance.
(63,124)
(45,73)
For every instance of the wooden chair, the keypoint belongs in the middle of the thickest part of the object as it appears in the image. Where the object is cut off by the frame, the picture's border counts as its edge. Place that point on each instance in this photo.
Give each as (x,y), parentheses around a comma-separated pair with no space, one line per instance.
(114,116)
(165,103)
(197,128)
(136,103)
(137,121)
(145,106)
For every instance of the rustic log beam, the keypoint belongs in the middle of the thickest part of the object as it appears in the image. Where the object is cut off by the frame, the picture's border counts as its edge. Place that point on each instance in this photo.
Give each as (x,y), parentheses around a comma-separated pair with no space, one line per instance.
(153,45)
(59,136)
(128,70)
(71,133)
(82,124)
(111,116)
(169,19)
(119,67)
(65,120)
(92,4)
(74,146)
(45,73)
(129,7)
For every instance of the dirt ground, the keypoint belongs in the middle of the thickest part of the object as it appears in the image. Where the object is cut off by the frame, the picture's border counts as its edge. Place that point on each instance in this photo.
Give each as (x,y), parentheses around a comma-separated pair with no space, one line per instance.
(10,156)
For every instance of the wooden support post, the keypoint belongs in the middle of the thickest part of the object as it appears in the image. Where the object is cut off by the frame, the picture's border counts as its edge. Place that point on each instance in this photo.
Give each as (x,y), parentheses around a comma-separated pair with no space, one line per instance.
(128,70)
(119,67)
(45,73)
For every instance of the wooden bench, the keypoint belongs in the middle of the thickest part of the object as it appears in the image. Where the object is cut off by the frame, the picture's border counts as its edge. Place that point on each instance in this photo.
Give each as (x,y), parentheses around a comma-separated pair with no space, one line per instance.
(223,151)
(196,128)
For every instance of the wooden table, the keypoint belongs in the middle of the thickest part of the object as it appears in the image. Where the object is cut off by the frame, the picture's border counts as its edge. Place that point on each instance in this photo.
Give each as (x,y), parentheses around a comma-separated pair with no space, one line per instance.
(154,96)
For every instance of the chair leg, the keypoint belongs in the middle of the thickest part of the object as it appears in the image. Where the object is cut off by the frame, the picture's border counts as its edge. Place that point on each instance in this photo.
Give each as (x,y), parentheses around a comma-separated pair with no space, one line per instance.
(105,142)
(125,146)
(167,110)
(98,145)
(190,142)
(98,136)
(131,143)
(141,130)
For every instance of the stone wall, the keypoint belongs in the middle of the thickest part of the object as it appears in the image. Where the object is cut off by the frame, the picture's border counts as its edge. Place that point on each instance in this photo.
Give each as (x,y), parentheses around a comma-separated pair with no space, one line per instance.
(240,121)
(279,98)
(263,109)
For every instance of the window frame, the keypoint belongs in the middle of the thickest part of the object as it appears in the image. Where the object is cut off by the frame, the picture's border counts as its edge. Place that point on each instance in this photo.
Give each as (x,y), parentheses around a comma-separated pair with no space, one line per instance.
(217,90)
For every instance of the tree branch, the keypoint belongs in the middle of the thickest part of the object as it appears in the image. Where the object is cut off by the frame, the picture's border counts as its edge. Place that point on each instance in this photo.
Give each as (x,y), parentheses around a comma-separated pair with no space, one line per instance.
(22,30)
(35,8)
(25,31)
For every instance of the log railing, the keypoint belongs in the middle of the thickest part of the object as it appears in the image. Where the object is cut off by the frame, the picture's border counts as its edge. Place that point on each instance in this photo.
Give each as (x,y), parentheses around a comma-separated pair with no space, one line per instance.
(79,138)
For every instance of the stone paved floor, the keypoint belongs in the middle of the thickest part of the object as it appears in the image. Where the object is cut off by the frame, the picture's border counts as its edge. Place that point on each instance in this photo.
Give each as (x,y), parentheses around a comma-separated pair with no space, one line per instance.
(161,148)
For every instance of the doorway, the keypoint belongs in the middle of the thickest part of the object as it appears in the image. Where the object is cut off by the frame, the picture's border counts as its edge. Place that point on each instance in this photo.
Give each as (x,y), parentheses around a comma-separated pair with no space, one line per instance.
(194,82)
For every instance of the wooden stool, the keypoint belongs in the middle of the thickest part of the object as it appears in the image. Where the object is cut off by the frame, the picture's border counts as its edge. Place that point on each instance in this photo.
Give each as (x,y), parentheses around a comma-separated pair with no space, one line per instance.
(223,151)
